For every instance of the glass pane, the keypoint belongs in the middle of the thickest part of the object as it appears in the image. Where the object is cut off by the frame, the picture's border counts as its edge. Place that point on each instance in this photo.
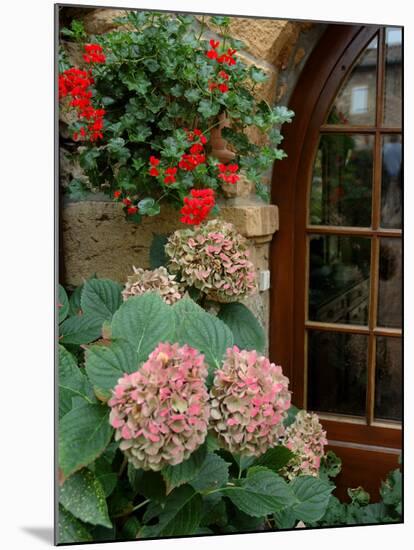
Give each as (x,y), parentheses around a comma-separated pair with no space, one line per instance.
(393,77)
(337,372)
(388,379)
(390,284)
(355,102)
(342,181)
(339,279)
(391,186)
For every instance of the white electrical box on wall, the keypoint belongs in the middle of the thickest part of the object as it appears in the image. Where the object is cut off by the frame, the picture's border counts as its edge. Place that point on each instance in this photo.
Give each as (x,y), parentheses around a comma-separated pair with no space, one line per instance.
(264,280)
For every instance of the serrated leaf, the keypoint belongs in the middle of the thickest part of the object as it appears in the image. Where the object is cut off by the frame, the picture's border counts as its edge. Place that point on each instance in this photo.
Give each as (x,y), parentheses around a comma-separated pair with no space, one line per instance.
(84,433)
(202,331)
(262,492)
(144,321)
(275,458)
(174,476)
(72,382)
(101,298)
(247,332)
(84,497)
(207,109)
(312,497)
(63,304)
(180,516)
(213,474)
(71,529)
(104,365)
(80,329)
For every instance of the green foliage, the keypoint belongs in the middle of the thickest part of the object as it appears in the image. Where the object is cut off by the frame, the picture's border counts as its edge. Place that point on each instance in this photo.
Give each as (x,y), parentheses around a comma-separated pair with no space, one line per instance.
(247,332)
(104,365)
(157,255)
(80,329)
(84,433)
(104,498)
(83,496)
(174,476)
(63,304)
(154,83)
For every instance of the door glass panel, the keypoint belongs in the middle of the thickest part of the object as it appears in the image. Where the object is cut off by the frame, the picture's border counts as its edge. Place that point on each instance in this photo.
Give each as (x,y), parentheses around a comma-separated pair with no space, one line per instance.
(339,274)
(355,102)
(391,186)
(388,379)
(393,77)
(337,372)
(390,284)
(342,181)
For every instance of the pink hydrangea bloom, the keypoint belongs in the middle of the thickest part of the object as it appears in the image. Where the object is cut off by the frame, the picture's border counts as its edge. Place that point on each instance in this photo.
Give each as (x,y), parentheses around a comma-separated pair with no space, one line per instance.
(249,400)
(156,280)
(214,258)
(307,439)
(161,412)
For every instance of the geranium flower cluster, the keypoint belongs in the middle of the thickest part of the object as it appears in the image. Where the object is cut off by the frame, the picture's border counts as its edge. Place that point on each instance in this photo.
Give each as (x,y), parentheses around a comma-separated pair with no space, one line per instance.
(76,83)
(157,280)
(307,439)
(221,83)
(130,208)
(214,258)
(197,206)
(94,54)
(228,173)
(249,400)
(161,411)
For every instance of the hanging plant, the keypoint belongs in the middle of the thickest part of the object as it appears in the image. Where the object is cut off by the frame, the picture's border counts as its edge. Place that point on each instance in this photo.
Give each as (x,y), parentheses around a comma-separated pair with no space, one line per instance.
(149,98)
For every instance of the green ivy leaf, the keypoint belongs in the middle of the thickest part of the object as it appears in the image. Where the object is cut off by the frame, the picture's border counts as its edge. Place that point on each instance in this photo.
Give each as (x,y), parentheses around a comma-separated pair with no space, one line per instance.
(144,321)
(63,304)
(208,109)
(213,474)
(84,433)
(203,331)
(72,382)
(257,75)
(80,329)
(104,365)
(247,332)
(262,492)
(180,516)
(83,496)
(101,298)
(70,529)
(174,476)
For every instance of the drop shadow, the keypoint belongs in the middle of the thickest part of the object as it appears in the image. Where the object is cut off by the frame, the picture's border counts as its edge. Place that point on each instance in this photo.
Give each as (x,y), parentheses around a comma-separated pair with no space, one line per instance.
(44,534)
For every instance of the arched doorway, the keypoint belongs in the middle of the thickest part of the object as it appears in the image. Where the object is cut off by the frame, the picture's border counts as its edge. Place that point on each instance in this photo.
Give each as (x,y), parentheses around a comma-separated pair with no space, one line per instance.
(336,303)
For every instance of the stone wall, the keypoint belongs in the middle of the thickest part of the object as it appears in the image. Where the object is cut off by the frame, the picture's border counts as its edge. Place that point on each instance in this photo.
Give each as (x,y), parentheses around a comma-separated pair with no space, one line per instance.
(94,234)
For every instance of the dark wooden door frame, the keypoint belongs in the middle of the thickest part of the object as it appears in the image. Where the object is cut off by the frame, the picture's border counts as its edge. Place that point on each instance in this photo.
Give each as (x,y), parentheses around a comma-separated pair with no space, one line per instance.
(318,84)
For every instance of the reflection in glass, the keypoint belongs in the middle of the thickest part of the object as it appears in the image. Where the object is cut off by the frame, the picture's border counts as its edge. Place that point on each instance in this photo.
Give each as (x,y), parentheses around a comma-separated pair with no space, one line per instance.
(342,181)
(391,186)
(390,284)
(388,379)
(355,102)
(339,274)
(393,77)
(337,372)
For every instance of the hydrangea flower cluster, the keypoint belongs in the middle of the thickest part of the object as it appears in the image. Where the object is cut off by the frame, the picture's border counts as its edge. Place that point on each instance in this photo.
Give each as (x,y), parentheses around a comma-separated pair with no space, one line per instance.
(75,83)
(249,400)
(213,258)
(307,439)
(157,280)
(160,413)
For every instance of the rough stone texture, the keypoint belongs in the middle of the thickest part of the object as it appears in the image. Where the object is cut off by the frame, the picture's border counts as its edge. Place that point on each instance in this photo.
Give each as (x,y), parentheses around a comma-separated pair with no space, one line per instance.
(266,90)
(101,20)
(97,239)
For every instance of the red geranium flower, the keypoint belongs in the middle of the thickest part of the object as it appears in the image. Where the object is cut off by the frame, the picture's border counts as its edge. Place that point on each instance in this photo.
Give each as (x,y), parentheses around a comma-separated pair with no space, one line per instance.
(117,194)
(214,44)
(198,206)
(132,210)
